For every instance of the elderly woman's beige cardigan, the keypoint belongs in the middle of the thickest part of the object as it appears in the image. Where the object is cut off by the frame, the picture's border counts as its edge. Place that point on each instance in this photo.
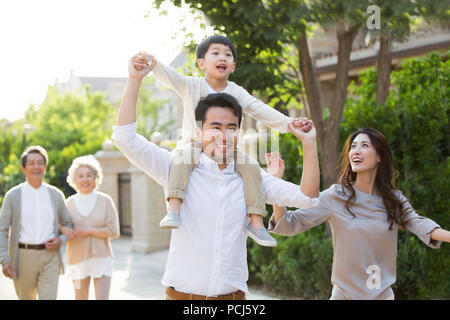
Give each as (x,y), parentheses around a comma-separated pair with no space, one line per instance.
(103,216)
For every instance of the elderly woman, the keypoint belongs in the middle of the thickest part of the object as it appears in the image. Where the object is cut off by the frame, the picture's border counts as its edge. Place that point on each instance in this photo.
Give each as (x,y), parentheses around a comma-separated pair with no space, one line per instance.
(89,252)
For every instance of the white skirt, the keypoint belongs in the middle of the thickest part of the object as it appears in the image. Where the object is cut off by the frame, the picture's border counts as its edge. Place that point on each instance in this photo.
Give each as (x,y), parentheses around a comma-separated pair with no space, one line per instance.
(95,267)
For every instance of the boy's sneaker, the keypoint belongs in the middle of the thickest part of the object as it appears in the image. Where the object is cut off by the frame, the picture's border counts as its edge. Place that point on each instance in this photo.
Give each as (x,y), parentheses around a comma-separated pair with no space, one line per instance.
(261,236)
(172,220)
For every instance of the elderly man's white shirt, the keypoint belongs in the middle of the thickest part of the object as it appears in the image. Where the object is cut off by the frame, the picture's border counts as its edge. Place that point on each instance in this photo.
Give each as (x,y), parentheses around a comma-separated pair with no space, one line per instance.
(208,254)
(37,215)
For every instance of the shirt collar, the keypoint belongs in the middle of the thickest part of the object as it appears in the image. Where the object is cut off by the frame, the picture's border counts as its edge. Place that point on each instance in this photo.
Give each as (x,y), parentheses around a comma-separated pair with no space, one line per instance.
(212,164)
(30,187)
(211,90)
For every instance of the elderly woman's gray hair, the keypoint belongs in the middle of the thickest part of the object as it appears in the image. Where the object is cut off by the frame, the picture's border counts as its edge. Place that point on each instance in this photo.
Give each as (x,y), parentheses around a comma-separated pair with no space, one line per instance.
(85,161)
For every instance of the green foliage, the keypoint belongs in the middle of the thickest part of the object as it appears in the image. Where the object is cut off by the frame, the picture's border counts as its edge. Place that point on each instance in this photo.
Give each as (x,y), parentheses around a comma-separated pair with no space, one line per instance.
(12,139)
(299,266)
(67,126)
(149,111)
(415,120)
(290,269)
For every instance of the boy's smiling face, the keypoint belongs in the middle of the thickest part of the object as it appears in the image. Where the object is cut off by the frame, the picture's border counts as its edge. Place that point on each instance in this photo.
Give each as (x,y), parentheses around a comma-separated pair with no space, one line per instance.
(218,62)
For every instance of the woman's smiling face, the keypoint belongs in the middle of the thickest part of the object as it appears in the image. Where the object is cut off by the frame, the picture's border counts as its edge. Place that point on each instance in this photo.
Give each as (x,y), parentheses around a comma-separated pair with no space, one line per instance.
(363,156)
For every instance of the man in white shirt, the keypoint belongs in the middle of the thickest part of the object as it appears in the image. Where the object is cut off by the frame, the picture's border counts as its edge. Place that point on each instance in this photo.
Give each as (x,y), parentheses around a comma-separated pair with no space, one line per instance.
(208,256)
(32,212)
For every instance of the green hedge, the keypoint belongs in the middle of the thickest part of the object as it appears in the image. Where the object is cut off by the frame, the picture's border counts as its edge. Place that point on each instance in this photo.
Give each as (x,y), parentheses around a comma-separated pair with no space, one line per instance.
(415,121)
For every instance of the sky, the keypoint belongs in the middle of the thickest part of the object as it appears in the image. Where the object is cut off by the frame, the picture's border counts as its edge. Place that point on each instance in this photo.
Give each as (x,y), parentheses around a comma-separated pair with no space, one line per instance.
(44,40)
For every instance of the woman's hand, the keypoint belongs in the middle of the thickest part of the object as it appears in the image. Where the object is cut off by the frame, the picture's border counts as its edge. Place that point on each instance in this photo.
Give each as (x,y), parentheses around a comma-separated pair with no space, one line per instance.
(82,232)
(275,164)
(68,232)
(304,130)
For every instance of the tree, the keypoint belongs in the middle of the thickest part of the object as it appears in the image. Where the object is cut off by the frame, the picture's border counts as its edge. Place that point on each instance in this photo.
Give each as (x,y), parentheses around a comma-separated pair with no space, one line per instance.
(12,139)
(273,56)
(415,120)
(149,111)
(397,21)
(69,125)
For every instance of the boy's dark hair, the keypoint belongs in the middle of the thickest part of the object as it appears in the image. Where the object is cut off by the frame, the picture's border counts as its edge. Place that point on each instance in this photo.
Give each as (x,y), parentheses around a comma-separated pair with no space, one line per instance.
(203,46)
(33,149)
(223,100)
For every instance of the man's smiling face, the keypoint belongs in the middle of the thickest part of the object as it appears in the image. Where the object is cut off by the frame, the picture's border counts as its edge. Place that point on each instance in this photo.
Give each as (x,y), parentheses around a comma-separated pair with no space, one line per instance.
(35,167)
(219,134)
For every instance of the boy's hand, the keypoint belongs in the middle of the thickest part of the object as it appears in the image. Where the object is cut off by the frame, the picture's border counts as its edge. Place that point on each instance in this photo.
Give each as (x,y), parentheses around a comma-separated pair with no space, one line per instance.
(140,65)
(275,164)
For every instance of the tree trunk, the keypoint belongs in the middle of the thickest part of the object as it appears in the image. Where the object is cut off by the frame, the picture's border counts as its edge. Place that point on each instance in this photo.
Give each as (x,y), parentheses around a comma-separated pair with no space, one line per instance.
(331,96)
(336,105)
(310,82)
(334,98)
(384,61)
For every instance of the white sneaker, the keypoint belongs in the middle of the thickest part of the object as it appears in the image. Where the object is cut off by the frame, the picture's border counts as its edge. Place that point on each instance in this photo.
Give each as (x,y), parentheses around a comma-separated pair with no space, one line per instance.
(172,220)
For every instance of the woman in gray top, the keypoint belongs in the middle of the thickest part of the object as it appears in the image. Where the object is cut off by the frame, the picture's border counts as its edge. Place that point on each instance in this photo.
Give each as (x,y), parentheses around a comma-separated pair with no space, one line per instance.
(365,212)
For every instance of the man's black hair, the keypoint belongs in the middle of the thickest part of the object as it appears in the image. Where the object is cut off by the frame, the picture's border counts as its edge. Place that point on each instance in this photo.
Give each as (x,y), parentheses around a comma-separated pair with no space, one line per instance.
(203,46)
(223,100)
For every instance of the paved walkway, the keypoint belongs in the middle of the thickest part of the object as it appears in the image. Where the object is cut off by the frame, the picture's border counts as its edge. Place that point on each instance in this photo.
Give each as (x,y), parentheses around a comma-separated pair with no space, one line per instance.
(135,277)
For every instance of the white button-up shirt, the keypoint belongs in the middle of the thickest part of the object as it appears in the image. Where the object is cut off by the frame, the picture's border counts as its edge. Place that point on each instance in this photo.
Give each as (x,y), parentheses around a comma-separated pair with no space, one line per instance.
(36,216)
(207,254)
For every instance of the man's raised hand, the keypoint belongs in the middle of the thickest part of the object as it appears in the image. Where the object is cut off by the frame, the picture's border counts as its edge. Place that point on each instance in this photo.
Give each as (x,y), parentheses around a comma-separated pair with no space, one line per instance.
(275,164)
(140,65)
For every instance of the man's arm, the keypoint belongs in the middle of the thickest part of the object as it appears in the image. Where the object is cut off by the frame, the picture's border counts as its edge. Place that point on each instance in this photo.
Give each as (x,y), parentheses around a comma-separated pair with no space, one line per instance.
(150,158)
(5,224)
(64,220)
(136,73)
(284,193)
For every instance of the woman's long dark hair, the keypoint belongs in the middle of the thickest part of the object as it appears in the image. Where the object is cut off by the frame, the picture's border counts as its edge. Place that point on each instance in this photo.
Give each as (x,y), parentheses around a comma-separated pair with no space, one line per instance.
(385,178)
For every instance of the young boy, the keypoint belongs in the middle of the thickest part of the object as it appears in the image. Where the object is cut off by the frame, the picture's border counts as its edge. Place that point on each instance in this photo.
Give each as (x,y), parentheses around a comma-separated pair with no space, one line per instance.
(216,57)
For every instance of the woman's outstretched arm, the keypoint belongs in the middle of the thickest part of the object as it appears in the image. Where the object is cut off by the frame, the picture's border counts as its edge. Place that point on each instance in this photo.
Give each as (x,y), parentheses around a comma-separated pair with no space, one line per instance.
(439,234)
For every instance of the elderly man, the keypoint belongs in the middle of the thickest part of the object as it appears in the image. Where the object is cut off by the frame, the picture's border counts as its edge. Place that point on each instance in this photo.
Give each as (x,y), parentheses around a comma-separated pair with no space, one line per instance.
(31,214)
(208,255)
